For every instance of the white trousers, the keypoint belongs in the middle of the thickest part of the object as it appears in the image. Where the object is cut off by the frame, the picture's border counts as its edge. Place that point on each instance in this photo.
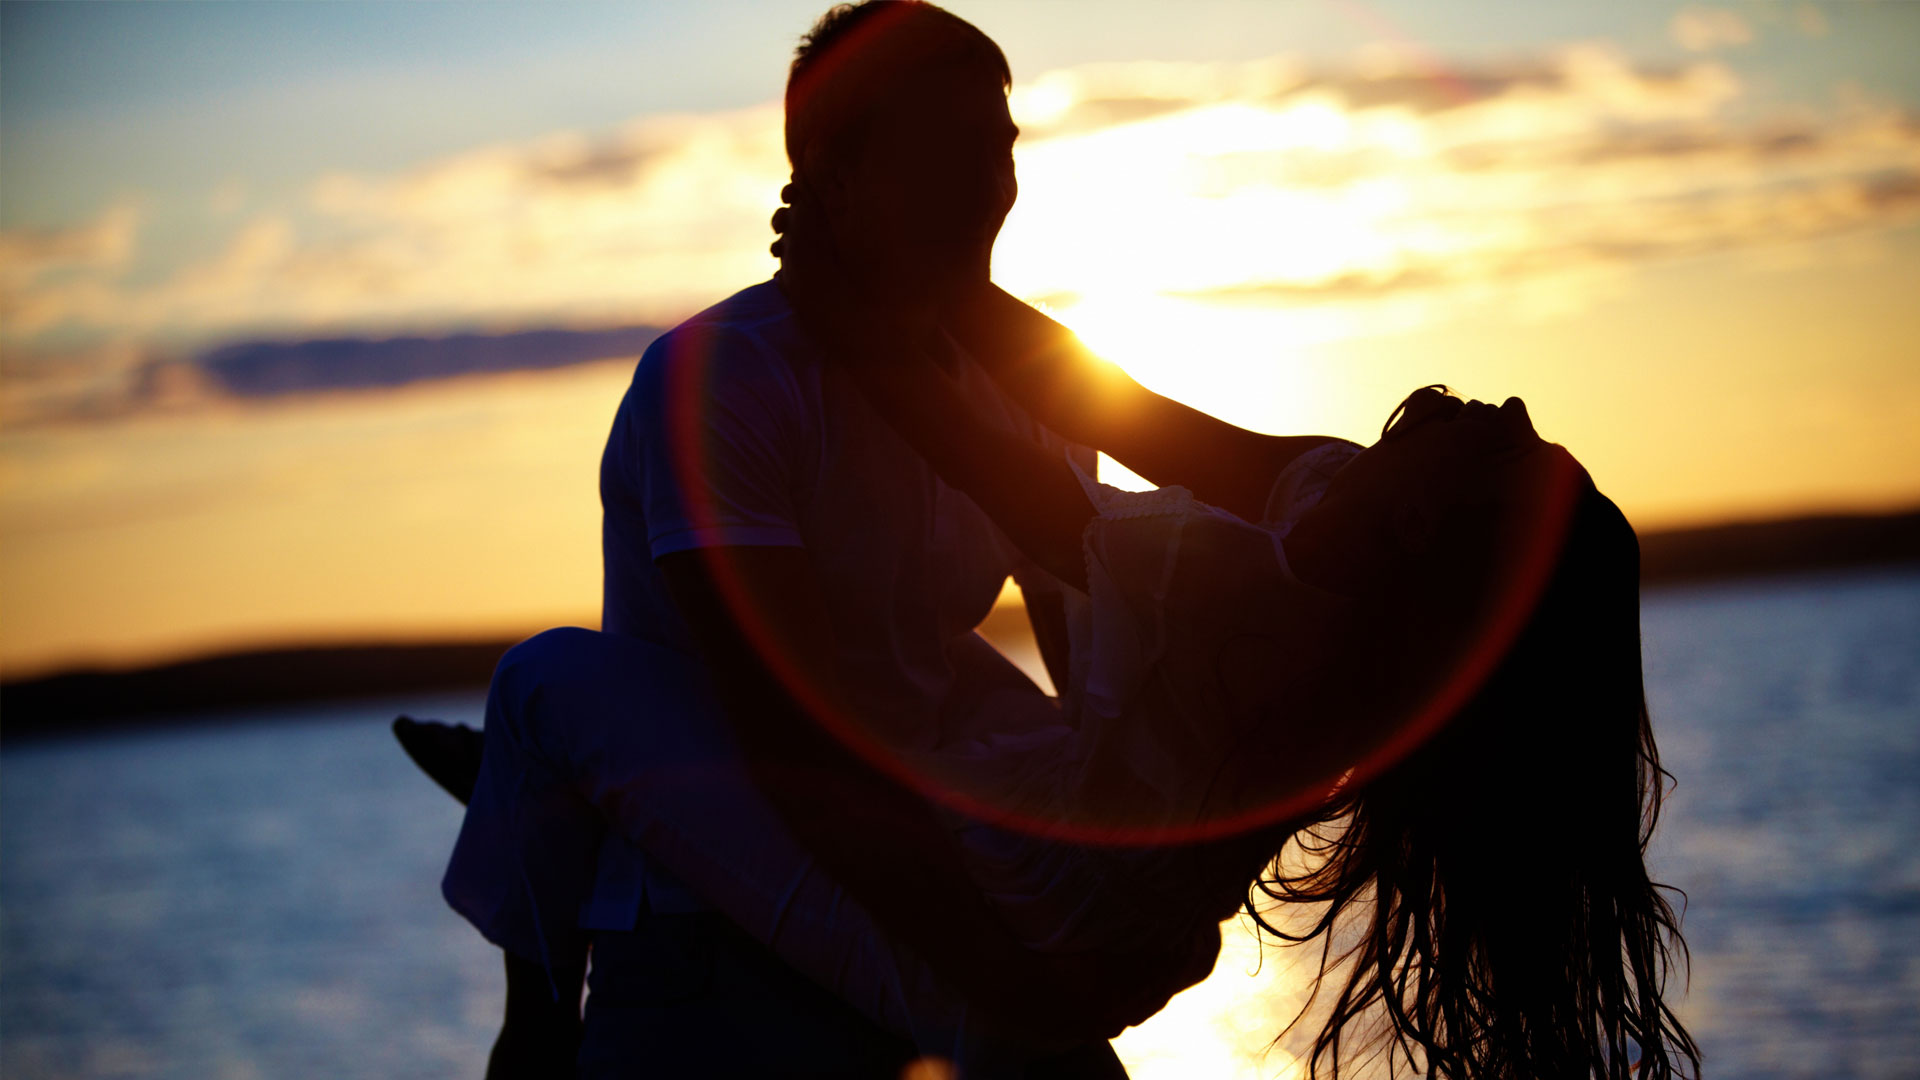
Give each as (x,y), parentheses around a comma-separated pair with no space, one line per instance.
(586,730)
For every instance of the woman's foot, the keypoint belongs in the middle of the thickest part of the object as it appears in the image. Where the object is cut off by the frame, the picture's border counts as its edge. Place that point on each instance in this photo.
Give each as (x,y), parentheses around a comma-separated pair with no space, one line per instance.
(449,753)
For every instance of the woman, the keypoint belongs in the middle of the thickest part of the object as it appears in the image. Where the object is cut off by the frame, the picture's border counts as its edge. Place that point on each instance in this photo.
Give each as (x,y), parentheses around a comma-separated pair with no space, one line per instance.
(1404,680)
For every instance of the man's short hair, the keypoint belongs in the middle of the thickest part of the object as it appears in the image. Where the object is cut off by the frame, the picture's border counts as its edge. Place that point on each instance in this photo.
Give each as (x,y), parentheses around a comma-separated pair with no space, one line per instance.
(857,55)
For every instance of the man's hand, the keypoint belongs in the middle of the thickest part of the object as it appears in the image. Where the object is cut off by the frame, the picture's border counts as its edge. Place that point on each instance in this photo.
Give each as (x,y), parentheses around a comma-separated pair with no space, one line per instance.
(836,294)
(778,249)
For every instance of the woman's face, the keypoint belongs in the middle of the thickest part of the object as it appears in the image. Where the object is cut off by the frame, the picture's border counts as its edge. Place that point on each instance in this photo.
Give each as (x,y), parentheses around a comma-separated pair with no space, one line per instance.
(1441,438)
(1440,452)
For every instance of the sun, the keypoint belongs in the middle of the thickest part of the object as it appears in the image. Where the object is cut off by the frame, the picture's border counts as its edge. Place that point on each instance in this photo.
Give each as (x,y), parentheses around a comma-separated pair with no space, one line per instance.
(1166,246)
(1255,367)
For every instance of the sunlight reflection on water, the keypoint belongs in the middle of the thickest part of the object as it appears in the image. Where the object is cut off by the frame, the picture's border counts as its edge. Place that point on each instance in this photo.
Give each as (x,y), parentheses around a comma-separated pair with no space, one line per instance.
(261,898)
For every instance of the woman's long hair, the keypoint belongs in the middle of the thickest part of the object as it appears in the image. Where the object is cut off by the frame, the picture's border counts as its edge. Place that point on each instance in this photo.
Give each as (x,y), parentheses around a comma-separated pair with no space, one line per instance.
(1489,889)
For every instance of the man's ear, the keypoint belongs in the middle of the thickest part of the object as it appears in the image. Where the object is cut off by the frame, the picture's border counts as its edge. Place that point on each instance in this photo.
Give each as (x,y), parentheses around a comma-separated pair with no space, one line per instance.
(825,179)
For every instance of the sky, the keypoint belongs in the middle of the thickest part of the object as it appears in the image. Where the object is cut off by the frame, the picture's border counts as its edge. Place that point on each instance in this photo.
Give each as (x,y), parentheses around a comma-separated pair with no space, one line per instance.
(1687,234)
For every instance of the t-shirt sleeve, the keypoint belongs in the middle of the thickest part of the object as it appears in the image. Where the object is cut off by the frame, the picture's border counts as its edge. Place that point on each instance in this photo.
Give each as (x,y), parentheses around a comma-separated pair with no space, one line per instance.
(718,442)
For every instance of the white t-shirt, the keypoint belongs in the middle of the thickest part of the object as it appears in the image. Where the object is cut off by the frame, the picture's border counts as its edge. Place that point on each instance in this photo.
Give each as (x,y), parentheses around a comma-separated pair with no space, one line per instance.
(737,432)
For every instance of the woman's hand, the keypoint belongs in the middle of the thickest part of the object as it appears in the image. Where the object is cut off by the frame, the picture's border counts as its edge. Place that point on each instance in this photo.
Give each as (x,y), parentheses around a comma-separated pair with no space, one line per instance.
(833,295)
(1030,493)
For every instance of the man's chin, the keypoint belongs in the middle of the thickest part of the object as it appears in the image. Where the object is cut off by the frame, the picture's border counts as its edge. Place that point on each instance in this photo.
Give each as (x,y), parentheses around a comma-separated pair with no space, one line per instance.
(934,277)
(961,276)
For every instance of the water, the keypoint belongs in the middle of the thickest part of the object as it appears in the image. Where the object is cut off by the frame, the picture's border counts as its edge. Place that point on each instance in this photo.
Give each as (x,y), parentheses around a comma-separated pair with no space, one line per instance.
(1791,715)
(260,898)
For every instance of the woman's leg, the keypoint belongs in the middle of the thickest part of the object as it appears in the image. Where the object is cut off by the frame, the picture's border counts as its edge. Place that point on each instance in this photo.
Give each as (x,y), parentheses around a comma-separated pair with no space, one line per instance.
(539,1035)
(525,855)
(673,995)
(584,727)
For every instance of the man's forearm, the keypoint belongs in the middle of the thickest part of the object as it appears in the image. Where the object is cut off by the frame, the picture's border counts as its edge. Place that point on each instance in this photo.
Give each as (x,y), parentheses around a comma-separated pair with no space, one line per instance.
(1044,366)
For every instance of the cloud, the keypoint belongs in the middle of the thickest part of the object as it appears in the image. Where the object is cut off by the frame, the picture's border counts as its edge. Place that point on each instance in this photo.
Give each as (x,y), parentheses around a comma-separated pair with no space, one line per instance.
(43,270)
(1287,183)
(262,369)
(68,384)
(648,223)
(1584,78)
(1704,29)
(104,243)
(1270,179)
(1810,21)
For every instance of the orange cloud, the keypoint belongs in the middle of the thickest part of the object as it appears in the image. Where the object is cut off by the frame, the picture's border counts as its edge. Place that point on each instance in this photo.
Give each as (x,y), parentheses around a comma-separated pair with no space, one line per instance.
(1703,29)
(647,224)
(1262,179)
(47,276)
(1275,181)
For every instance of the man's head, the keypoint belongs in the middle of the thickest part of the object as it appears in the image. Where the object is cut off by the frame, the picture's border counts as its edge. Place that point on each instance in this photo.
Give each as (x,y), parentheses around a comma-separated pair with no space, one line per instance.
(897,114)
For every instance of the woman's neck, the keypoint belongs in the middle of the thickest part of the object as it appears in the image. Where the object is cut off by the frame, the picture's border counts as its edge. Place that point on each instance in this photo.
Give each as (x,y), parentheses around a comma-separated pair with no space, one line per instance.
(1339,552)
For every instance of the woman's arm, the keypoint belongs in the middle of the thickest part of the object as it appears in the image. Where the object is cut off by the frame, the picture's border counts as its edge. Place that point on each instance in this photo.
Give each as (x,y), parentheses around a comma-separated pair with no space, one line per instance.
(1065,386)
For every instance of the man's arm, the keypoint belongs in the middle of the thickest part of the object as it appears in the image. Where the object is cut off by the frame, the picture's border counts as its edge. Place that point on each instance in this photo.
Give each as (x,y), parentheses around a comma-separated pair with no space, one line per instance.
(1045,596)
(717,484)
(757,617)
(1043,365)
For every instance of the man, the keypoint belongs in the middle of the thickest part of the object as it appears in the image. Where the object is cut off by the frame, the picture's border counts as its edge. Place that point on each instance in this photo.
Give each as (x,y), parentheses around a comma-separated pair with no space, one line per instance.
(763,521)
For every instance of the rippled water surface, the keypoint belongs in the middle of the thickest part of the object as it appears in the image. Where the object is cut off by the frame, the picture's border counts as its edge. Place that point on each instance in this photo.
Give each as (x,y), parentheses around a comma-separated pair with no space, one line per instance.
(257,896)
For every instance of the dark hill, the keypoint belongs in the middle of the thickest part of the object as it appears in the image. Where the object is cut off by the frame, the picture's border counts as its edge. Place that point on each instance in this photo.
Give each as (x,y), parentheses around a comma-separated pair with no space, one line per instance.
(1751,549)
(78,699)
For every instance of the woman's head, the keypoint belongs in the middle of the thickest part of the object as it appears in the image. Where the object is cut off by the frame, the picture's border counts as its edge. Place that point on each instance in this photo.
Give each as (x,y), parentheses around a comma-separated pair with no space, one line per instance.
(1495,874)
(1445,475)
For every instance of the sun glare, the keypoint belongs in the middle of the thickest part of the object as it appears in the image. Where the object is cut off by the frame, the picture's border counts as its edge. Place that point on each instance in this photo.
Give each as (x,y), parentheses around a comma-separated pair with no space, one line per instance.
(1238,363)
(1224,1027)
(1226,213)
(1162,294)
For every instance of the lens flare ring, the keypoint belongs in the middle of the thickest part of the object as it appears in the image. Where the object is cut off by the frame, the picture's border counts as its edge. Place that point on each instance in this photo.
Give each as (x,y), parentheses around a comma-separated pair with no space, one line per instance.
(691,372)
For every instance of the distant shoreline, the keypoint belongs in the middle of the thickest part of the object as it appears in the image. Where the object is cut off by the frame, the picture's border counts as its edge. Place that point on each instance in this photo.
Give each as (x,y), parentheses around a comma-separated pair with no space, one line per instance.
(83,699)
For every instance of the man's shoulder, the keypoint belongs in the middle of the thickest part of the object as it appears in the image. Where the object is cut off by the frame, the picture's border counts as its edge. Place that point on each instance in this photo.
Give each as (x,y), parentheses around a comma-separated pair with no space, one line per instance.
(754,327)
(744,350)
(991,401)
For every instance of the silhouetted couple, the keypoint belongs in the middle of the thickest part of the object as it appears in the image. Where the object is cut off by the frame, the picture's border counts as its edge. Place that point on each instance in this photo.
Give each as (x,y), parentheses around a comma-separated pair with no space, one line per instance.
(808,823)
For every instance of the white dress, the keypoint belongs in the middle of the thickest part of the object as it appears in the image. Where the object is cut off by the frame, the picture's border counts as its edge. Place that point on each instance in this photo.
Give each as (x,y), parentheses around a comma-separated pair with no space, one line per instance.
(1192,635)
(1192,630)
